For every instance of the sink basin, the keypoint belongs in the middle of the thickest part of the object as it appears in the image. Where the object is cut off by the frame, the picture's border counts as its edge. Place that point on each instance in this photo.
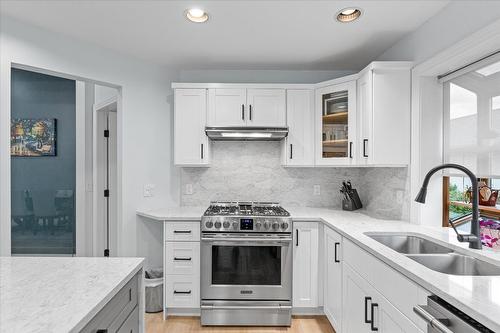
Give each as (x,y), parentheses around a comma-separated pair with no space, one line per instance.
(409,244)
(435,256)
(456,264)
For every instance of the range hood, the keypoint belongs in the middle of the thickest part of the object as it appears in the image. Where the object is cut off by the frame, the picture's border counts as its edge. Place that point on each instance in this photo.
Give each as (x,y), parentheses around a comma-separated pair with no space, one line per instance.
(246,133)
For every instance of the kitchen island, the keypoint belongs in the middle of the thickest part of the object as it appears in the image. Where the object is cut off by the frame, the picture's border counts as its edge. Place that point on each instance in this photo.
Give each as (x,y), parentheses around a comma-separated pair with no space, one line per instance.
(70,294)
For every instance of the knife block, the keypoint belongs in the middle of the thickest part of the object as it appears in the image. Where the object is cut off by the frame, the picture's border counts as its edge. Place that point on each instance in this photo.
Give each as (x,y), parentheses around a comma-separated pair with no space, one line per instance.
(353,203)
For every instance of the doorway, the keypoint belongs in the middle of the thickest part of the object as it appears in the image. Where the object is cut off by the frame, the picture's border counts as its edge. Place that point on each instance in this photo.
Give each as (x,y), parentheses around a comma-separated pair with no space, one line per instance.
(105,178)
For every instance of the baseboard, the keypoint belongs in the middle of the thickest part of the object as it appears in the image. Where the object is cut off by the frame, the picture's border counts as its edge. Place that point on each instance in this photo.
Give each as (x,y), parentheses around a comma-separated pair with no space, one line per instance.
(318,311)
(183,312)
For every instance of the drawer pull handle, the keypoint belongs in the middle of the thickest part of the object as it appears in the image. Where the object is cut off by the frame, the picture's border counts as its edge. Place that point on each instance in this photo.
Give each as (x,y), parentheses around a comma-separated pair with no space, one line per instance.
(367,321)
(372,324)
(182,292)
(336,250)
(102,331)
(182,259)
(182,231)
(130,294)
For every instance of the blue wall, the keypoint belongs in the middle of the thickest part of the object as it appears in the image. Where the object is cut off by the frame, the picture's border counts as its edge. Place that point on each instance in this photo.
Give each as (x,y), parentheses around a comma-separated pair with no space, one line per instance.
(36,96)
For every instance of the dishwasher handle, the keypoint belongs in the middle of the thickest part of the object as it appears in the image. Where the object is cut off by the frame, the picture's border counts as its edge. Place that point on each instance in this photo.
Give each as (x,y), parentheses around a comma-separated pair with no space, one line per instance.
(439,324)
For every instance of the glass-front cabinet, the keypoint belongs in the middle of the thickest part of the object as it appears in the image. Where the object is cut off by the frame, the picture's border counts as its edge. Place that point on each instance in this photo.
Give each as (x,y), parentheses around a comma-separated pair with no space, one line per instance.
(336,124)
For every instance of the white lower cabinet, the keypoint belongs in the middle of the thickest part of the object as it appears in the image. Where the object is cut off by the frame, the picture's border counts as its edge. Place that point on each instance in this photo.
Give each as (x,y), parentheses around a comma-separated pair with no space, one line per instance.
(305,264)
(366,310)
(182,291)
(181,264)
(332,288)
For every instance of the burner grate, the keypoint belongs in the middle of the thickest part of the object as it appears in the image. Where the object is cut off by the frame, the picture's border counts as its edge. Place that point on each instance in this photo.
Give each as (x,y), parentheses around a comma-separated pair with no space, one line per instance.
(246,208)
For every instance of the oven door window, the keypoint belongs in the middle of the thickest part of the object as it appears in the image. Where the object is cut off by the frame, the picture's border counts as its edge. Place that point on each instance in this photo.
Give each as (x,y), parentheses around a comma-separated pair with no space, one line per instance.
(246,265)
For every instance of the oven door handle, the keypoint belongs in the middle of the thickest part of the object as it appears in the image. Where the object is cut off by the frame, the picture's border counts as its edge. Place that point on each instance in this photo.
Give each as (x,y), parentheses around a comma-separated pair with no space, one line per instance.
(253,307)
(239,240)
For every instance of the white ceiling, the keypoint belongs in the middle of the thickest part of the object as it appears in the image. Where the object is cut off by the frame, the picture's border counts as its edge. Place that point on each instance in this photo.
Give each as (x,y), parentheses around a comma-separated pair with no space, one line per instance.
(239,35)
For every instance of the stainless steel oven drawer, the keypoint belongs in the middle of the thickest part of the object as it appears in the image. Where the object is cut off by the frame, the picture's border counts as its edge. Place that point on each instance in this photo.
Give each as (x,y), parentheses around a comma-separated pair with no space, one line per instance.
(246,313)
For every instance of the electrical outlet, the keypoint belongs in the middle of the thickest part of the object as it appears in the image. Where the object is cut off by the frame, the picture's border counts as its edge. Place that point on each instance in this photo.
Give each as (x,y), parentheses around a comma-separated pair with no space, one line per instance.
(399,197)
(189,189)
(148,190)
(317,190)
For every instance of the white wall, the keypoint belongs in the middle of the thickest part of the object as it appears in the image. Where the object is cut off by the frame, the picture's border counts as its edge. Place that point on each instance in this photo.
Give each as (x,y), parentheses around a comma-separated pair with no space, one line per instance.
(146,124)
(260,76)
(453,23)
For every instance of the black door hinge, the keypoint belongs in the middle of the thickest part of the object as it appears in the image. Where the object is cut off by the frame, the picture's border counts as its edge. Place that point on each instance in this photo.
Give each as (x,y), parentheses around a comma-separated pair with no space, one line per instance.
(106,133)
(106,193)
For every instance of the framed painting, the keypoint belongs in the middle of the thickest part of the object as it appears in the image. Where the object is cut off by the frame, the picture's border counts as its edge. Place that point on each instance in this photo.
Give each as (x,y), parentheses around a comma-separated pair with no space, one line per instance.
(33,137)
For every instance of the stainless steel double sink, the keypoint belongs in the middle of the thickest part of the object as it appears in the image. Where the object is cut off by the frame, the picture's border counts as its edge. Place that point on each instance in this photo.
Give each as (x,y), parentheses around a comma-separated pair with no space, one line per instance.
(435,256)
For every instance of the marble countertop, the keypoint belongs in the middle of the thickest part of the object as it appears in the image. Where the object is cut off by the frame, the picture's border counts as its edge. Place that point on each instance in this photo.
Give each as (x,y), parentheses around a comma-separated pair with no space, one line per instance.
(178,213)
(478,296)
(58,294)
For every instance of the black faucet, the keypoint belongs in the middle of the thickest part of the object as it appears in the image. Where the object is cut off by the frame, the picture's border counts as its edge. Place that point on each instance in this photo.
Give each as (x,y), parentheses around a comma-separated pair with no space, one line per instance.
(474,238)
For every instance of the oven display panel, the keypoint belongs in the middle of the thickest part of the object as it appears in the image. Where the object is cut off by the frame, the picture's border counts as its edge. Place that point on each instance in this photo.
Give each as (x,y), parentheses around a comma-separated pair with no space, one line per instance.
(246,224)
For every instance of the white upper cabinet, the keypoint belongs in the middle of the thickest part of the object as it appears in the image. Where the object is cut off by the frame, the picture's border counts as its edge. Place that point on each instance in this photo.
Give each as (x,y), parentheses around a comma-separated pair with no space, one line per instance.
(384,114)
(305,264)
(298,145)
(190,141)
(266,107)
(247,107)
(227,107)
(336,124)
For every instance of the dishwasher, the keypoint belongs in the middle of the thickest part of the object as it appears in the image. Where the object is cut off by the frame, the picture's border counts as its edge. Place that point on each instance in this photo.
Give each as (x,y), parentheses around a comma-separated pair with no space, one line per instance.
(442,317)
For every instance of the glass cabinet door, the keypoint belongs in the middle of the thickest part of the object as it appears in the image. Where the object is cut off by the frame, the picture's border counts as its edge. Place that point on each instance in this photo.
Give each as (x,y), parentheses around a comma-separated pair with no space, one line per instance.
(336,109)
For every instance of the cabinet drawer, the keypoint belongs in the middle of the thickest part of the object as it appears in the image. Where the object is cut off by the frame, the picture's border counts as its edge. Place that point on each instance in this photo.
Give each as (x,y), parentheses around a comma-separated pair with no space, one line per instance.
(403,293)
(182,231)
(182,291)
(116,310)
(182,258)
(131,324)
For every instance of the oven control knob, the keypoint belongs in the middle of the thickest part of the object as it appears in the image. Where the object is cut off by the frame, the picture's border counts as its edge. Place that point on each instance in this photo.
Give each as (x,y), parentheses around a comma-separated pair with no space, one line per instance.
(235,225)
(276,226)
(217,224)
(209,224)
(284,225)
(267,225)
(226,224)
(258,225)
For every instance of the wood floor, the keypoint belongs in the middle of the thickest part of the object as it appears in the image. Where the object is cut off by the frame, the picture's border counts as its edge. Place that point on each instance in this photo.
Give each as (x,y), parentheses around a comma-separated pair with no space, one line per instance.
(300,324)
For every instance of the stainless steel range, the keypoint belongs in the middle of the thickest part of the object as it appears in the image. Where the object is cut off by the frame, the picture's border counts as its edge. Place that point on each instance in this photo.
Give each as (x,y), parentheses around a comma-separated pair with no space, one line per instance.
(246,264)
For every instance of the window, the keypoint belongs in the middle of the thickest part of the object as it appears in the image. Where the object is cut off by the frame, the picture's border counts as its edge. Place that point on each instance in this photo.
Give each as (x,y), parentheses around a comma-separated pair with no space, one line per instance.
(471,138)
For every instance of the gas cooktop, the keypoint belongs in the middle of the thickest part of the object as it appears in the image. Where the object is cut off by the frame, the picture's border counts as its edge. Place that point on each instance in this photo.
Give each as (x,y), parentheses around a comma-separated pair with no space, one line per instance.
(225,208)
(248,217)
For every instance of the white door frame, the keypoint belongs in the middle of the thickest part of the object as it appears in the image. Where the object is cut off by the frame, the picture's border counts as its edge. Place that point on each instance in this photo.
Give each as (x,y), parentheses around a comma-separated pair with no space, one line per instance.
(427,103)
(110,105)
(83,243)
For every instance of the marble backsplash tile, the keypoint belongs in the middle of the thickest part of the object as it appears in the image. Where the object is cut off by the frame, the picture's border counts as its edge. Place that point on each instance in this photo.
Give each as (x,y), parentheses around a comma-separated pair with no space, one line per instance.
(252,171)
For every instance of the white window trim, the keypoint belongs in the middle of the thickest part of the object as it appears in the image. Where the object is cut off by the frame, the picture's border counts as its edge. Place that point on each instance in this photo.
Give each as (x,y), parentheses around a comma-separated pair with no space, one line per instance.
(427,97)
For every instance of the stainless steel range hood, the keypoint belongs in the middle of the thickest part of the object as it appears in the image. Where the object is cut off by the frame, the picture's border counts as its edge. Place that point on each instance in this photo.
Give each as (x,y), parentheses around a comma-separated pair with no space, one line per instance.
(246,133)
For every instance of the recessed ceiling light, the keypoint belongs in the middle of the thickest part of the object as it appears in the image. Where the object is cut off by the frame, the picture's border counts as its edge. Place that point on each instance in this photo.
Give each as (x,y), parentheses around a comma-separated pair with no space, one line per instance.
(348,15)
(196,15)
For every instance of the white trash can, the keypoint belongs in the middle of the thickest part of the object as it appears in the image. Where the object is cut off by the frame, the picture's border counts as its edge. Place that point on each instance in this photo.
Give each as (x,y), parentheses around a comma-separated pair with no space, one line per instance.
(154,290)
